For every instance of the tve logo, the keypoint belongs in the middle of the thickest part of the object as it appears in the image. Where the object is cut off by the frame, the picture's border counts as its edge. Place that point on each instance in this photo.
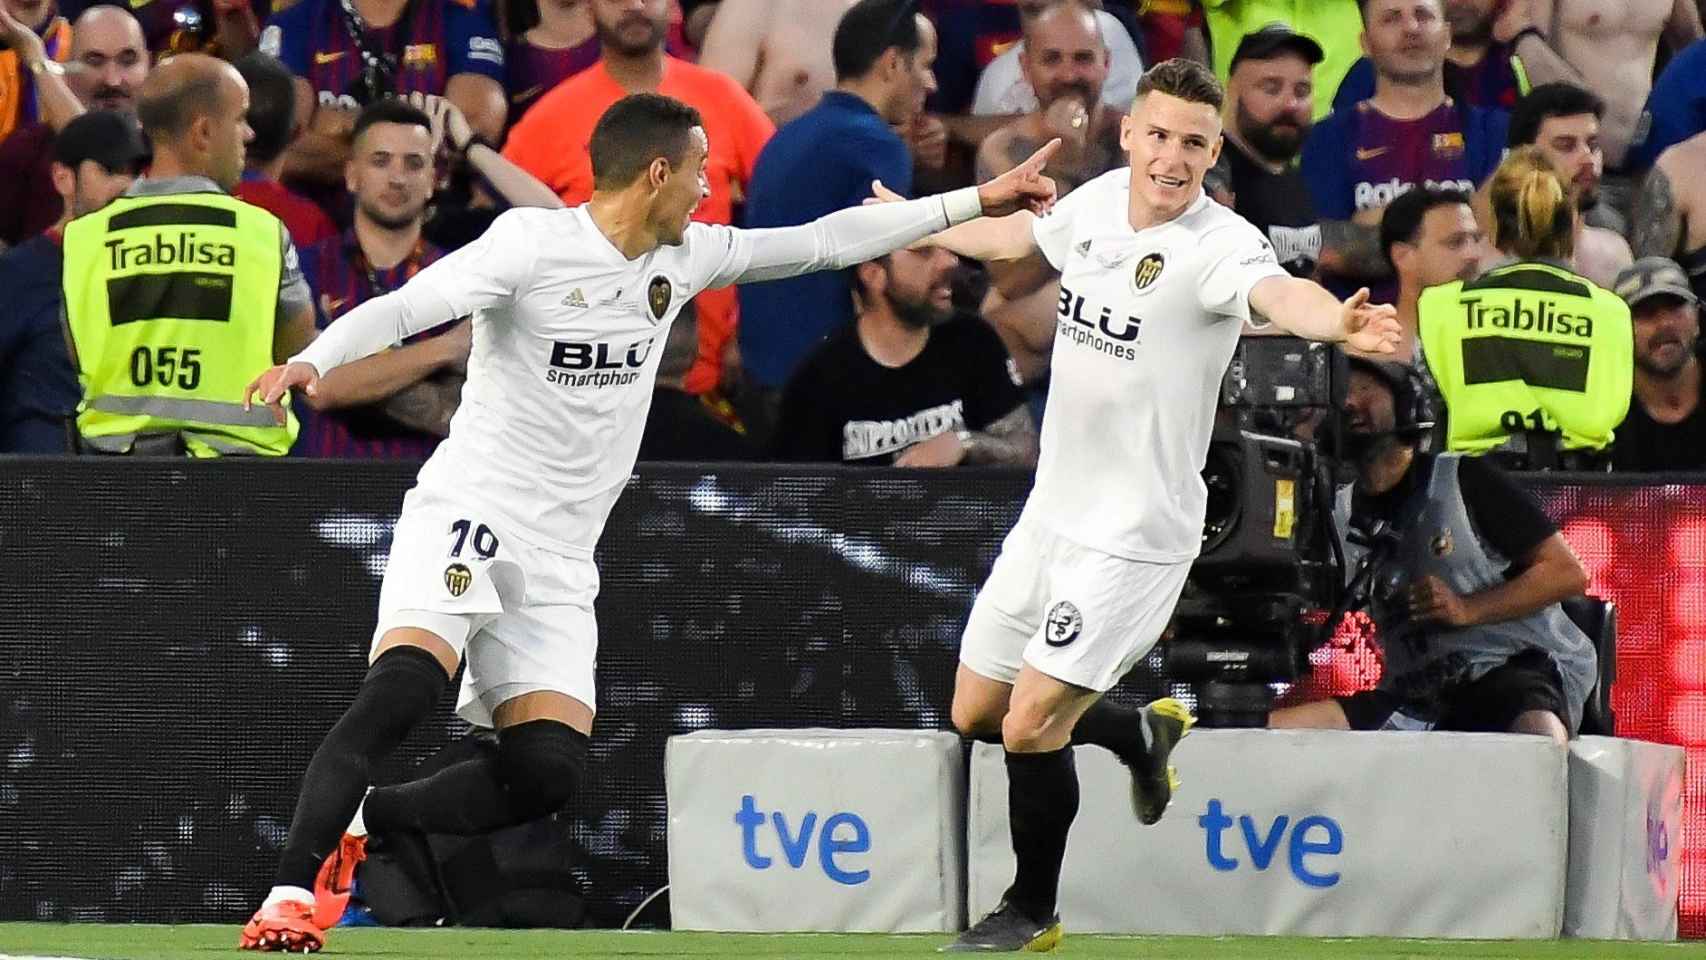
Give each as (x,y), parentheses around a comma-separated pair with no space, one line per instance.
(795,844)
(1658,839)
(1311,836)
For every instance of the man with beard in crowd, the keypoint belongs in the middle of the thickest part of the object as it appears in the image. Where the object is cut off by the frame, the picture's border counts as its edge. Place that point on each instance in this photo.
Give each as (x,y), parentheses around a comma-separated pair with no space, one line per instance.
(112,61)
(907,383)
(1563,121)
(1665,428)
(1271,98)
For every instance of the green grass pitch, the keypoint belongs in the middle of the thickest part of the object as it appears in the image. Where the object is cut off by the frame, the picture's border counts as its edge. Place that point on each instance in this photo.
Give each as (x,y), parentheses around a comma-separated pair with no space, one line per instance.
(145,942)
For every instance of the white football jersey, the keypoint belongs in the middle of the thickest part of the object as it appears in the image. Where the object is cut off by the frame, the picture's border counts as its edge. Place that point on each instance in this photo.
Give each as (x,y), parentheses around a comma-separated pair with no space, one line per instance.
(567,338)
(560,375)
(1145,326)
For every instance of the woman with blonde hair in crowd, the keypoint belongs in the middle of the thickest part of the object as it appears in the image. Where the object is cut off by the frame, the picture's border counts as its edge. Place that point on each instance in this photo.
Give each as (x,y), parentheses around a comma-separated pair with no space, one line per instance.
(1534,361)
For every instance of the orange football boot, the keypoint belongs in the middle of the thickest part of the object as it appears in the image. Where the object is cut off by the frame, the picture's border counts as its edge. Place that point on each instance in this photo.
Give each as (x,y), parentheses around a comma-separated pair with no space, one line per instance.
(332,883)
(284,926)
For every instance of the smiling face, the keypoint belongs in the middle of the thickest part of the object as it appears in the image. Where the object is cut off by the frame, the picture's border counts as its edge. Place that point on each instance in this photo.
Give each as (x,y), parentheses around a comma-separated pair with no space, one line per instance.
(681,188)
(1064,56)
(1171,144)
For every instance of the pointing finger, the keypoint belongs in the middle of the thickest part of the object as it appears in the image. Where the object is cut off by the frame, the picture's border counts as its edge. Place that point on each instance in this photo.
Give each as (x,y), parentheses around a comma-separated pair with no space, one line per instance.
(1038,160)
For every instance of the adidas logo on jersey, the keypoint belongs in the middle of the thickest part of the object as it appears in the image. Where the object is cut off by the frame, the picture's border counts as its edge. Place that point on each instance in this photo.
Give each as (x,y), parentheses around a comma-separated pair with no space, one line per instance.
(1084,249)
(575,299)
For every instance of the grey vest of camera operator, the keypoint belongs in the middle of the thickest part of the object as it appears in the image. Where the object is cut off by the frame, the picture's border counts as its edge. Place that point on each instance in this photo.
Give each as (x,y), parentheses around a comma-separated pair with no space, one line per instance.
(1437,538)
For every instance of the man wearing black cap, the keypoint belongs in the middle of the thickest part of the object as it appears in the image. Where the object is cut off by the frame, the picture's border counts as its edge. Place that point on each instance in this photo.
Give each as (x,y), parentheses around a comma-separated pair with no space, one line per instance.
(1465,589)
(1665,428)
(95,158)
(1271,106)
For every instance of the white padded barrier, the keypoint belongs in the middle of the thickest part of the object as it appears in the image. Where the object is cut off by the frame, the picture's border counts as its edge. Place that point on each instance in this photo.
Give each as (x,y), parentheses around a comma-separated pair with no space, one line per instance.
(1625,839)
(1306,833)
(826,830)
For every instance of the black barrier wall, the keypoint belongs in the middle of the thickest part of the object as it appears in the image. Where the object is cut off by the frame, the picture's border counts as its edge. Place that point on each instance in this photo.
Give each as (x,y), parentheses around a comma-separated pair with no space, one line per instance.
(179,636)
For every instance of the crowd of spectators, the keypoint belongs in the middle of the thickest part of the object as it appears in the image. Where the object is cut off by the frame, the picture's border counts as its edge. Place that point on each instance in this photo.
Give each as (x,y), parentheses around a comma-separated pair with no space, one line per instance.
(1360,137)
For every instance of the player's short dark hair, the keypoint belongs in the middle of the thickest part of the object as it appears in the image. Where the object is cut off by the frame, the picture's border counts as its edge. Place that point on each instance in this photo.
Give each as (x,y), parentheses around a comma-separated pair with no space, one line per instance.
(1547,101)
(272,105)
(389,111)
(869,28)
(1188,80)
(635,131)
(1402,221)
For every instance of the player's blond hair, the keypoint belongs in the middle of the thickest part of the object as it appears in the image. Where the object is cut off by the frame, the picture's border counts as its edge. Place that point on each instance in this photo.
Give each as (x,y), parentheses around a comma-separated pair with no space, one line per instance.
(1533,215)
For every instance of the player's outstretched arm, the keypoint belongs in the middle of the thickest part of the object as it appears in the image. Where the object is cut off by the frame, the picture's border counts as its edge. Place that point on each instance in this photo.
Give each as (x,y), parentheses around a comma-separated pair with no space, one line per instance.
(986,238)
(1307,309)
(362,332)
(857,234)
(482,274)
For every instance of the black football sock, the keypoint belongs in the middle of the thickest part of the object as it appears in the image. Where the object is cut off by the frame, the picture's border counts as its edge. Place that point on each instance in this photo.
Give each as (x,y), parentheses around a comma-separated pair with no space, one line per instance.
(1042,800)
(532,772)
(1114,727)
(400,690)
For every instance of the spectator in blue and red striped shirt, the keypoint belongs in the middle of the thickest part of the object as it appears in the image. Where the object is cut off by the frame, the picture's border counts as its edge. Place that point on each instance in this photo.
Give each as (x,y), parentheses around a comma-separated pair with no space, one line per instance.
(395,405)
(445,48)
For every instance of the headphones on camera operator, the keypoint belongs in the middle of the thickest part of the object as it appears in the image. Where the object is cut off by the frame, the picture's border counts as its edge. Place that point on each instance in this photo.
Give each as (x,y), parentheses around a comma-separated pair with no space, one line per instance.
(1413,420)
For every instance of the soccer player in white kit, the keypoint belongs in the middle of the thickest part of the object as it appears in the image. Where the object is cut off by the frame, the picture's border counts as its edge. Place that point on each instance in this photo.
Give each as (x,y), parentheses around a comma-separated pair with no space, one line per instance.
(1156,284)
(491,563)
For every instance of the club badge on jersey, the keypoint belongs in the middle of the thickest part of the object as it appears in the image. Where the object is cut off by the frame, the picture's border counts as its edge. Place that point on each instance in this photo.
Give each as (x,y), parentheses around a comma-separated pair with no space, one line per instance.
(1148,271)
(457,577)
(1063,624)
(658,293)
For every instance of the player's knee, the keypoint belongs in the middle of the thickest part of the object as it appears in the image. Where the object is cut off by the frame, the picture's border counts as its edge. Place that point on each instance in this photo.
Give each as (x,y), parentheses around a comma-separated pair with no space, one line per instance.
(1027,728)
(976,721)
(541,763)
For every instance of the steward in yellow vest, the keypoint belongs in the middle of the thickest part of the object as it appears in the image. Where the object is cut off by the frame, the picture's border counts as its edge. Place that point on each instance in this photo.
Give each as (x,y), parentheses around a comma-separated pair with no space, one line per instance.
(1529,346)
(176,291)
(1530,352)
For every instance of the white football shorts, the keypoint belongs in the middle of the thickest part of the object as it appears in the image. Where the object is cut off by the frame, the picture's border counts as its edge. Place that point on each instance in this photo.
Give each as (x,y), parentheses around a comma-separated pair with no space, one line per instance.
(1077,614)
(520,616)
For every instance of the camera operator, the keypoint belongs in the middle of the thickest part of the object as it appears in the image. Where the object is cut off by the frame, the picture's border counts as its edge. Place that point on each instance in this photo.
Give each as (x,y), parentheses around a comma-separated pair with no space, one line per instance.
(1466,584)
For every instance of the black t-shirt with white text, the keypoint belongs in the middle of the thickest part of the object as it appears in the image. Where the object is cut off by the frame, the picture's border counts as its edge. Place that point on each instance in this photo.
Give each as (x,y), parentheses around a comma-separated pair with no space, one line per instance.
(1278,205)
(842,406)
(1644,445)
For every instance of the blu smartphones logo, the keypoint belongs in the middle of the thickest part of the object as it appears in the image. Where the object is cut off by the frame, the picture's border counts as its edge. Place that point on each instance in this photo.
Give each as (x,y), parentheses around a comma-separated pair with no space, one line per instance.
(1313,836)
(840,835)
